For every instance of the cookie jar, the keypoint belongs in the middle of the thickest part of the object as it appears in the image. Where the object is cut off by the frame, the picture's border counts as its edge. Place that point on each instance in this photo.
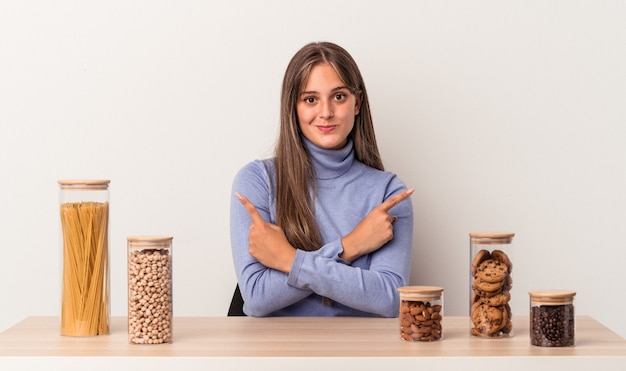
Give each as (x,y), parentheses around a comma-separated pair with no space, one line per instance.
(84,215)
(552,321)
(490,284)
(421,313)
(150,307)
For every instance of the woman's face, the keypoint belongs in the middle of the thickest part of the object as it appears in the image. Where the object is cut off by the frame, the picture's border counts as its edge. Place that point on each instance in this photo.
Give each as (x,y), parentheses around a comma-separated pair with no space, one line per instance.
(326,108)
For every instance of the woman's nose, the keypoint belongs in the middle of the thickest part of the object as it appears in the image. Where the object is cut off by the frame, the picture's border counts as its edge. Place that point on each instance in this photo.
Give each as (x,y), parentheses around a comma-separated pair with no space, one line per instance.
(326,110)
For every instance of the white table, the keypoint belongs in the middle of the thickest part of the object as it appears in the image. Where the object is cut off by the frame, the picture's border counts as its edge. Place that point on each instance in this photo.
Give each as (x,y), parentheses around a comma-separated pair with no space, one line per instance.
(302,343)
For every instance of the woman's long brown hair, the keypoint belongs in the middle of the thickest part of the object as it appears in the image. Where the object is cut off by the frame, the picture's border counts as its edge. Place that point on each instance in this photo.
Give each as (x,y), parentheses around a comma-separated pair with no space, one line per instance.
(295,182)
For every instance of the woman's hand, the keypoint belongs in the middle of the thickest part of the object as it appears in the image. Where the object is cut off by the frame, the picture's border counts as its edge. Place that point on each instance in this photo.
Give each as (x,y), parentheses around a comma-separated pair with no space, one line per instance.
(267,242)
(373,231)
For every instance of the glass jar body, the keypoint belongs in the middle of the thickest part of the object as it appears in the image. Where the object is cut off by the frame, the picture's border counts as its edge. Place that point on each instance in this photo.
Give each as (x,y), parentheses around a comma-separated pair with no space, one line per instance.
(421,313)
(552,320)
(491,282)
(150,307)
(84,215)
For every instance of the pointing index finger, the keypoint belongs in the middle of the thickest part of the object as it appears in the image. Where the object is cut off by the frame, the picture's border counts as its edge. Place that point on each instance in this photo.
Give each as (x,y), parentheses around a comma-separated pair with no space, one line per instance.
(250,208)
(394,200)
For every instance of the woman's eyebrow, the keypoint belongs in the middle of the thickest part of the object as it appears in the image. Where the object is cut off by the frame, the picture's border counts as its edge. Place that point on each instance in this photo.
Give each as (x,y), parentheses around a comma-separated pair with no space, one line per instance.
(332,90)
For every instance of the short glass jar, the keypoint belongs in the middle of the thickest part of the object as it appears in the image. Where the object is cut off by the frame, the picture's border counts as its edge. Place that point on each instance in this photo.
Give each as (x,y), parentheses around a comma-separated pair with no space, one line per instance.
(421,313)
(150,307)
(552,320)
(490,284)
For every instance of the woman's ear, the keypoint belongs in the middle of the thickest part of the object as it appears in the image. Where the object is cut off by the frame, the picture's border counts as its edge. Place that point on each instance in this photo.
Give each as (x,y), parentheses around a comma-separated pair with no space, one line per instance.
(357,104)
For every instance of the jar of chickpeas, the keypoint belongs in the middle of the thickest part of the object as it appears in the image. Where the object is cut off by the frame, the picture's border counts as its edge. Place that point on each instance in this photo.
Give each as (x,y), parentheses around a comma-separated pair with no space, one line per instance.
(150,309)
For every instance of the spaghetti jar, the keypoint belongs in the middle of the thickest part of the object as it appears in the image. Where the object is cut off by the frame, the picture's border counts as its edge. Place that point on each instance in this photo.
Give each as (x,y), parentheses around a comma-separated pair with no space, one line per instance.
(490,284)
(552,321)
(84,214)
(150,309)
(421,313)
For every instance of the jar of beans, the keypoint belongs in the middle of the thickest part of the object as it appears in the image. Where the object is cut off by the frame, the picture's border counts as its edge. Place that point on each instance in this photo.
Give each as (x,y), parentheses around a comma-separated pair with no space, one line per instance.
(150,311)
(552,321)
(490,284)
(421,313)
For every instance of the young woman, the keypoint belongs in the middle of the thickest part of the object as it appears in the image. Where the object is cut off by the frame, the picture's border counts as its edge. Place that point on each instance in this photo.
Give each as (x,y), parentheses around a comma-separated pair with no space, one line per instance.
(321,229)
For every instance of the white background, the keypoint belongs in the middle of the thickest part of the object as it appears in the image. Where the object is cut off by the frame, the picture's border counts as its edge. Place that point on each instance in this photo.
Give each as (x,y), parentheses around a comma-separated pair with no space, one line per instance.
(507,116)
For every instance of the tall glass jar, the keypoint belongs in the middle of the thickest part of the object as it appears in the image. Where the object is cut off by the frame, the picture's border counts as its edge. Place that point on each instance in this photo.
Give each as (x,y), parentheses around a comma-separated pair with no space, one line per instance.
(552,321)
(150,309)
(421,313)
(490,284)
(84,214)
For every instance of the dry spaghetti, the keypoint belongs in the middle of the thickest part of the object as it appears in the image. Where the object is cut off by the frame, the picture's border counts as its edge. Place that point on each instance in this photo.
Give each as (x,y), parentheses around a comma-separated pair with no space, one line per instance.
(85,293)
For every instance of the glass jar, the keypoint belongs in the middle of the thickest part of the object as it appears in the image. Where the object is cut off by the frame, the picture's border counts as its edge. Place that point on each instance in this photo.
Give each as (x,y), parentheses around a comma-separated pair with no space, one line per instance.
(84,214)
(150,309)
(421,312)
(552,321)
(490,284)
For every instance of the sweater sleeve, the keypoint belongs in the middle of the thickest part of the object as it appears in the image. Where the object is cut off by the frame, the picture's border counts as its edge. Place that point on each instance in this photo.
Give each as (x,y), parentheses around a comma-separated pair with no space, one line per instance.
(370,283)
(264,290)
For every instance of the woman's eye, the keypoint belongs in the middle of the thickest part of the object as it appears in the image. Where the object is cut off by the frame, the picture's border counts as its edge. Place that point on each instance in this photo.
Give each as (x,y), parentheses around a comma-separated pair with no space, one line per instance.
(309,100)
(340,96)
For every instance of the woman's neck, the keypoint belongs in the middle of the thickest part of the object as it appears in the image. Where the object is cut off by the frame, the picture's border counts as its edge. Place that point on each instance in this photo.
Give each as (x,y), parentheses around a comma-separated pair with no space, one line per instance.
(330,163)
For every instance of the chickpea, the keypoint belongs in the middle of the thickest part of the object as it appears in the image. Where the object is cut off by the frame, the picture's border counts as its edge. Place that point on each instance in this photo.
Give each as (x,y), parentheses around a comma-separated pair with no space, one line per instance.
(150,296)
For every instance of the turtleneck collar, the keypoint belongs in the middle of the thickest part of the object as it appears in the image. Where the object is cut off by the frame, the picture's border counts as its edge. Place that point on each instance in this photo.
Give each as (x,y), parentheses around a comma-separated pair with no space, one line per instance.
(330,163)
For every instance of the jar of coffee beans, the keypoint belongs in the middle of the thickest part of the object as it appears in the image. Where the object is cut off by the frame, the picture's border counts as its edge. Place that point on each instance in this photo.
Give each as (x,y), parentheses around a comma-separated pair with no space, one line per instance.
(552,321)
(421,312)
(150,311)
(491,282)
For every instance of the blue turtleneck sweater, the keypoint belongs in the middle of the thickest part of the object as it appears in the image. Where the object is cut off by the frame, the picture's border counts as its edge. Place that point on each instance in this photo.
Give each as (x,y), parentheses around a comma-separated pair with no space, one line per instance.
(320,283)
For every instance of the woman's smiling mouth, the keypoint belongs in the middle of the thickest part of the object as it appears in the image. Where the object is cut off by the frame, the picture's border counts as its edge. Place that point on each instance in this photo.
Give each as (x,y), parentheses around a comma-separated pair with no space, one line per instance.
(326,129)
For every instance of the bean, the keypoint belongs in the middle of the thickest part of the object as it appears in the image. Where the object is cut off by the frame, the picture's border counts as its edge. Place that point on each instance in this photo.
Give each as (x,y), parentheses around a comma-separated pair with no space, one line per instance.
(149,281)
(552,325)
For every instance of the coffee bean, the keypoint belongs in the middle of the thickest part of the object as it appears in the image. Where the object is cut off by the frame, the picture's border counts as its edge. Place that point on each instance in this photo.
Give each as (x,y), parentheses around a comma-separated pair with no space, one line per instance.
(552,325)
